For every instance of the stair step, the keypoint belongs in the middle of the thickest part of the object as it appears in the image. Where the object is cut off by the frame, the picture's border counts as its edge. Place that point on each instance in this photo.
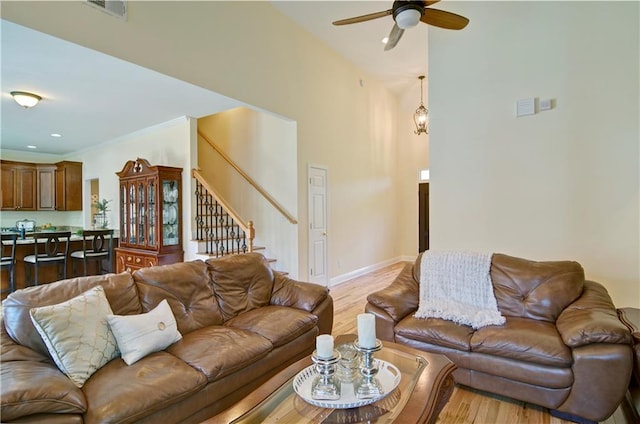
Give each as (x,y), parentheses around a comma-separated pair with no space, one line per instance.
(228,252)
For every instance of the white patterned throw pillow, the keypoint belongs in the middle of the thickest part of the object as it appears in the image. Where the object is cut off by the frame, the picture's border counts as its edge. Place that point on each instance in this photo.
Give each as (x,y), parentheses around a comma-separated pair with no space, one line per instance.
(140,335)
(77,335)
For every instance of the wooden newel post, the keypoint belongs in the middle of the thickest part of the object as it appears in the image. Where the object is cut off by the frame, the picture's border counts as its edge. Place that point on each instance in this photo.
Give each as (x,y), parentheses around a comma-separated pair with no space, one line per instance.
(251,234)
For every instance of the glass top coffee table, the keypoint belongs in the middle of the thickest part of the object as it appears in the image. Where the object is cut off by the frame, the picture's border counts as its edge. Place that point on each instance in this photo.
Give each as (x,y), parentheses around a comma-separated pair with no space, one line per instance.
(424,388)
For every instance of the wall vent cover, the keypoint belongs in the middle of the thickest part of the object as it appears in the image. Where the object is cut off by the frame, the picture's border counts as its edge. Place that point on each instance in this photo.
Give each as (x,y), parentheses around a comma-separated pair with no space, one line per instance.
(116,8)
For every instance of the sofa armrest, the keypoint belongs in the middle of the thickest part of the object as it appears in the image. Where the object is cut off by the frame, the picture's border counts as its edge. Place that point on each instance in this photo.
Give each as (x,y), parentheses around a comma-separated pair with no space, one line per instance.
(592,318)
(400,298)
(297,294)
(29,388)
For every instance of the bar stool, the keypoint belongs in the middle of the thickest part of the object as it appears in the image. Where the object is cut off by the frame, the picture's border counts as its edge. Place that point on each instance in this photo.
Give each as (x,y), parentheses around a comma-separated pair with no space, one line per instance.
(55,249)
(8,259)
(97,246)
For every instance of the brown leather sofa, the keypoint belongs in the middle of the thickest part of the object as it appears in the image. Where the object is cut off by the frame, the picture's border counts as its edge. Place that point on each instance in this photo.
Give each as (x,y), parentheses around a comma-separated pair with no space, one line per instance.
(562,346)
(631,318)
(241,323)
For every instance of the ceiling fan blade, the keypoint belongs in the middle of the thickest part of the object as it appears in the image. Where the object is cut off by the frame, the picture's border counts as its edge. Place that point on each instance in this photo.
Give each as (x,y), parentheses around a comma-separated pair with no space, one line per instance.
(363,18)
(426,3)
(442,19)
(394,37)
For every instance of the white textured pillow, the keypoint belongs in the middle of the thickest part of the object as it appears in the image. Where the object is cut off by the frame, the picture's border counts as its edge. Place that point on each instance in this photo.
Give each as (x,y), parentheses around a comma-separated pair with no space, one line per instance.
(76,334)
(140,335)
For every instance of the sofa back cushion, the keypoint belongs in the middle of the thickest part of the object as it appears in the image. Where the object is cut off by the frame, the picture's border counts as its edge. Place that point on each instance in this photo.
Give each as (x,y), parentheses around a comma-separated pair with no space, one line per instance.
(120,290)
(241,283)
(187,288)
(536,290)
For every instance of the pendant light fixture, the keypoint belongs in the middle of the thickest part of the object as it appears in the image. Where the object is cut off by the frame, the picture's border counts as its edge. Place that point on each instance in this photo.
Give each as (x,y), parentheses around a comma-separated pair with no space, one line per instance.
(420,115)
(24,99)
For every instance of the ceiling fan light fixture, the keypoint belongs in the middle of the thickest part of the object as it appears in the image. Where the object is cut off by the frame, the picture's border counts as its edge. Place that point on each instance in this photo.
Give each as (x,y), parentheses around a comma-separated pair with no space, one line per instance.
(408,18)
(25,99)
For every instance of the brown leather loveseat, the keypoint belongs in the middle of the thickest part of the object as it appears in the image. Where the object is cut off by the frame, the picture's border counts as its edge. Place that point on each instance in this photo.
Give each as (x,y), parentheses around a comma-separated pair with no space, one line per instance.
(240,322)
(562,346)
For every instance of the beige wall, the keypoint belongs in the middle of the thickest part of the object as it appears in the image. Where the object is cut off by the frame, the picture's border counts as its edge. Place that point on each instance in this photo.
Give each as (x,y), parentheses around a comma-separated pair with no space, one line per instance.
(265,148)
(251,52)
(561,184)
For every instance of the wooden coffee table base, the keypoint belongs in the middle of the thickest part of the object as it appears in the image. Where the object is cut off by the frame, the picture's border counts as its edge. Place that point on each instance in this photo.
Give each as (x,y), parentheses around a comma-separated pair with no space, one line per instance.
(426,386)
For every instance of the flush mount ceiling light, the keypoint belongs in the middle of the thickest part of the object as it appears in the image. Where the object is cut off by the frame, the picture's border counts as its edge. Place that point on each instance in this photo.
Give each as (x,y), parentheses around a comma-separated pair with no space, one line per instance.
(420,115)
(24,99)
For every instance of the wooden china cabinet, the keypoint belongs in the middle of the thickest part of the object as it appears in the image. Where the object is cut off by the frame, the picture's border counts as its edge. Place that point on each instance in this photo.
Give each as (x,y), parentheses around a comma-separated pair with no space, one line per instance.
(150,216)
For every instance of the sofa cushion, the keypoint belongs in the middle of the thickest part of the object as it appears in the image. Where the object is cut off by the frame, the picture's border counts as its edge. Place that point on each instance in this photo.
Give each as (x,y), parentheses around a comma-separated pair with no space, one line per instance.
(187,288)
(241,283)
(54,393)
(118,393)
(279,324)
(77,334)
(218,351)
(140,335)
(436,331)
(524,340)
(536,290)
(120,290)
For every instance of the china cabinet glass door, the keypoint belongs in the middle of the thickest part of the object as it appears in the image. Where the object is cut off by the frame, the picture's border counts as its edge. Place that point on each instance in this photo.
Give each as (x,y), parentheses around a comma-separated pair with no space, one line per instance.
(133,213)
(170,212)
(152,213)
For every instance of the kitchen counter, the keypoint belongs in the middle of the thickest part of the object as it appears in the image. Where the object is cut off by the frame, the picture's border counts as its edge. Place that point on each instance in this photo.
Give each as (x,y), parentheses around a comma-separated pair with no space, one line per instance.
(47,274)
(29,240)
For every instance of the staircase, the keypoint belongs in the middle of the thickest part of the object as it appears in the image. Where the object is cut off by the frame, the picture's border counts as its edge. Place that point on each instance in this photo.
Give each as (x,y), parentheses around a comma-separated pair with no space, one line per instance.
(219,230)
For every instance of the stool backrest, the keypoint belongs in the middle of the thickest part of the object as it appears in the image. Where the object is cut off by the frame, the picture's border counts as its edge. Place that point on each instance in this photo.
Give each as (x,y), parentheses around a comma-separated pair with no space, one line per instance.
(97,241)
(56,243)
(9,249)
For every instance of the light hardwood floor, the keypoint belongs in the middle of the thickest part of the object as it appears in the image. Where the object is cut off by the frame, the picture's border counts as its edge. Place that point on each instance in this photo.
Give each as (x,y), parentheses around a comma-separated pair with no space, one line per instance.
(466,406)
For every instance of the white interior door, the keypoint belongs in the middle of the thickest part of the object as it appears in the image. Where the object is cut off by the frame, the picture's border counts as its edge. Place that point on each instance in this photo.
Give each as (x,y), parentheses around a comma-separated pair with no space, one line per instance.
(318,272)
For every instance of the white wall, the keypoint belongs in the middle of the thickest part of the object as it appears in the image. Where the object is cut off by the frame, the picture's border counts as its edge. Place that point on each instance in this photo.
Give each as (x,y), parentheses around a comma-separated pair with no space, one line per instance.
(269,62)
(561,184)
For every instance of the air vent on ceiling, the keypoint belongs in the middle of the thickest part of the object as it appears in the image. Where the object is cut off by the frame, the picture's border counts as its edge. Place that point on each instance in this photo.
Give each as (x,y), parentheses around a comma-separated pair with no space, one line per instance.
(113,7)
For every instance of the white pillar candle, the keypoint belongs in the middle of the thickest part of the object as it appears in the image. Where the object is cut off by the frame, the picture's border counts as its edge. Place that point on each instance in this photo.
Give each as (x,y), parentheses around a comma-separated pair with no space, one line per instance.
(324,346)
(366,330)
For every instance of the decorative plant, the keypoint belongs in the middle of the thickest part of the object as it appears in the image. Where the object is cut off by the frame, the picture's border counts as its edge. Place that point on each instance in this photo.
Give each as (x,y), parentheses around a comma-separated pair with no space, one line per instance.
(102,206)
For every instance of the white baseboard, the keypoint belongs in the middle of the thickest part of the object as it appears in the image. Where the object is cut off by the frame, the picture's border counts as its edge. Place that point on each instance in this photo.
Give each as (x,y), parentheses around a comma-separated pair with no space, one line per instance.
(339,279)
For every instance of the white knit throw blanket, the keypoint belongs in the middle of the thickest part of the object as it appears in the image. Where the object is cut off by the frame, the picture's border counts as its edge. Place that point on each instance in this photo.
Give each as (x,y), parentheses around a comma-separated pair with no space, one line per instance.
(456,286)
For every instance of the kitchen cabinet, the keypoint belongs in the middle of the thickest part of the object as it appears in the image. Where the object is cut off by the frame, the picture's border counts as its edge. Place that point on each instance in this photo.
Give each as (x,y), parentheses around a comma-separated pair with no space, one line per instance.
(68,186)
(150,210)
(46,185)
(18,186)
(43,186)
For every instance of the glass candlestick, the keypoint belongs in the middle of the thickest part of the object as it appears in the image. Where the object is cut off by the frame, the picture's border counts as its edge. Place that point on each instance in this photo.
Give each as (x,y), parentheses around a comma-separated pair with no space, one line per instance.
(347,368)
(324,386)
(368,387)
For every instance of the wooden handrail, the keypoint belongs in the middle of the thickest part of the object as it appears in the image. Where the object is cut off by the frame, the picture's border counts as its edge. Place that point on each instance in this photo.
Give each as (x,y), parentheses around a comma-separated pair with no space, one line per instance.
(246,227)
(250,180)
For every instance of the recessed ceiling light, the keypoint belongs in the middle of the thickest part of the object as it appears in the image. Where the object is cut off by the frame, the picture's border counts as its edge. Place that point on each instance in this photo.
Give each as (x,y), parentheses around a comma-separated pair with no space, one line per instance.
(31,147)
(56,135)
(385,40)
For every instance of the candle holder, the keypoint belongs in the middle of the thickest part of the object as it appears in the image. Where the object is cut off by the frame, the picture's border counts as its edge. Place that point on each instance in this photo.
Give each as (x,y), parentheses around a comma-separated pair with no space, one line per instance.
(324,386)
(368,386)
(347,368)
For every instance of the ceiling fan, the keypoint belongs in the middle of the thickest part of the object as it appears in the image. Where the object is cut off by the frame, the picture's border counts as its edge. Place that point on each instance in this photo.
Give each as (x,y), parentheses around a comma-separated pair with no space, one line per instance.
(408,14)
